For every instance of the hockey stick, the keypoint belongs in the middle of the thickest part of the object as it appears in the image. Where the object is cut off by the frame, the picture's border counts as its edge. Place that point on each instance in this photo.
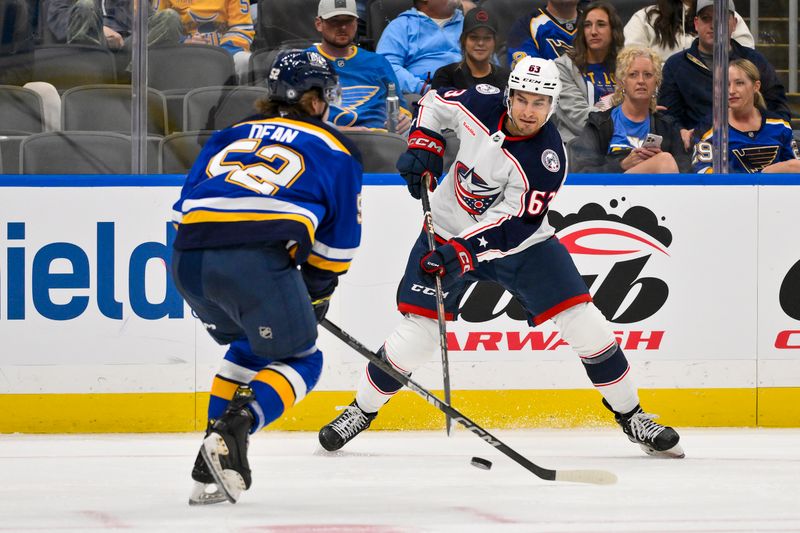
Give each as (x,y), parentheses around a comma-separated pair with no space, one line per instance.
(597,477)
(426,208)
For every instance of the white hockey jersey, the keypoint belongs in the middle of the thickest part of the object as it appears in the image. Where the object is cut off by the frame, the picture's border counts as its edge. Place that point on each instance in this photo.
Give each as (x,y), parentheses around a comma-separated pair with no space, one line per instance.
(497,191)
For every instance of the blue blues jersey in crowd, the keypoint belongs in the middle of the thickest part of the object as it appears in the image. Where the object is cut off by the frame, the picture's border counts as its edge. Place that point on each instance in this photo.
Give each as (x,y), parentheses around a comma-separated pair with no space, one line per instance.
(497,191)
(748,151)
(628,134)
(539,35)
(275,179)
(364,77)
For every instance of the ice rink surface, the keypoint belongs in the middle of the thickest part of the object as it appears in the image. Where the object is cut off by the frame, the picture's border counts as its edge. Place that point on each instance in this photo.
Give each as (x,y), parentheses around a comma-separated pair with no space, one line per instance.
(732,480)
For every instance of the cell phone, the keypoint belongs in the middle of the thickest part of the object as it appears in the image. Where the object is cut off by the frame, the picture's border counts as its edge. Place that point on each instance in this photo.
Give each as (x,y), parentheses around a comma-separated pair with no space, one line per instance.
(652,141)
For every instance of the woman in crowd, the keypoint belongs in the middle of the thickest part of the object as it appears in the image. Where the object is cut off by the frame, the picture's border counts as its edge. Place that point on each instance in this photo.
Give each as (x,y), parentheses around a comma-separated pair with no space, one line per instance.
(632,136)
(668,27)
(587,71)
(758,140)
(478,41)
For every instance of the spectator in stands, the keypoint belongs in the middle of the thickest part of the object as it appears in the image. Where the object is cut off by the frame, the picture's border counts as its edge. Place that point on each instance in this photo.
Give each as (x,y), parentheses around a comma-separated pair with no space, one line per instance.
(546,33)
(107,23)
(478,41)
(587,70)
(420,40)
(615,140)
(688,79)
(668,27)
(364,76)
(758,140)
(223,23)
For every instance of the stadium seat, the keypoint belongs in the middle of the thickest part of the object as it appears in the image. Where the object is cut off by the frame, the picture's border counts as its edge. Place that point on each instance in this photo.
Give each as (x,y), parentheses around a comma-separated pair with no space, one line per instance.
(286,20)
(177,152)
(108,108)
(9,152)
(69,65)
(176,70)
(21,109)
(379,150)
(215,108)
(380,13)
(260,62)
(81,152)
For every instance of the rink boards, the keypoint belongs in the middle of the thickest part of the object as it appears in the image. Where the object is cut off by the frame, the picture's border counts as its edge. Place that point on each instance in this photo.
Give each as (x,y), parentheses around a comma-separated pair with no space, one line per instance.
(700,280)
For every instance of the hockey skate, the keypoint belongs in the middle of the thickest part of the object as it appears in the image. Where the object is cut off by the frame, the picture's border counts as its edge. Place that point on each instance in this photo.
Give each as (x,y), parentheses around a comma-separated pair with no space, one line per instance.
(205,490)
(652,437)
(223,456)
(345,427)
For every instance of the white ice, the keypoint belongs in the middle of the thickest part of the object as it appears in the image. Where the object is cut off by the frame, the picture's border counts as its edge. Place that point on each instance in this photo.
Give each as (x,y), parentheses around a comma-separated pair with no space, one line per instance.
(732,480)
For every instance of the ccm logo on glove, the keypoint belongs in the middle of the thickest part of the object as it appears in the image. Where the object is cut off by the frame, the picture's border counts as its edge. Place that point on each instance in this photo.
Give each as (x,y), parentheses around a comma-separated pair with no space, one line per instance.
(418,140)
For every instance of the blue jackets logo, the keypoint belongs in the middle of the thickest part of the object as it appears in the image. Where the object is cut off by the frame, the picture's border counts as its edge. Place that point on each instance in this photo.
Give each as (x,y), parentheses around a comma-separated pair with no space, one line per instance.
(83,279)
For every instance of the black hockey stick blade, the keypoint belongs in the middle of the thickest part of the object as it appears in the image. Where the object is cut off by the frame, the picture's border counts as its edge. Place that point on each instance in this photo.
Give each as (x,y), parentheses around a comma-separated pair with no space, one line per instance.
(597,477)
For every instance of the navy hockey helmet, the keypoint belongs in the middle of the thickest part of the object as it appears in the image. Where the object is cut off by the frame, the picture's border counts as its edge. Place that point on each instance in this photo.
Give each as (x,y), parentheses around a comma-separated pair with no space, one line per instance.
(296,71)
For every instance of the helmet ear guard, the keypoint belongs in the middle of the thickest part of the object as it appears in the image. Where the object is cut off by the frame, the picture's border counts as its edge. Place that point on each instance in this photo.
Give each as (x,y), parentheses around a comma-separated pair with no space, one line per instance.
(294,72)
(534,75)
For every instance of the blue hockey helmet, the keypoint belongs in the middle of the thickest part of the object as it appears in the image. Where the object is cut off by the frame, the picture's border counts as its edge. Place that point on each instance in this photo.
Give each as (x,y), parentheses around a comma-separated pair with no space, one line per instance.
(296,71)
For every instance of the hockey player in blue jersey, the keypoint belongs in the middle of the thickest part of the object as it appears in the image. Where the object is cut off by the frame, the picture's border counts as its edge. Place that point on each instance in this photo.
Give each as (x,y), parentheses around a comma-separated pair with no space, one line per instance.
(272,193)
(758,140)
(490,218)
(547,33)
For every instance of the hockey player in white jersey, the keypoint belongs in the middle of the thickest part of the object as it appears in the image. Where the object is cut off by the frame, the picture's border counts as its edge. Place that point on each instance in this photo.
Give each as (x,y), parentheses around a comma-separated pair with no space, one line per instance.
(490,221)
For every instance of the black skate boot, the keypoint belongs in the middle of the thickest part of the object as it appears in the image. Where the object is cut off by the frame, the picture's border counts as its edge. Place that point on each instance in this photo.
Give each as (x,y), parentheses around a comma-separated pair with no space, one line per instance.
(652,437)
(224,450)
(345,427)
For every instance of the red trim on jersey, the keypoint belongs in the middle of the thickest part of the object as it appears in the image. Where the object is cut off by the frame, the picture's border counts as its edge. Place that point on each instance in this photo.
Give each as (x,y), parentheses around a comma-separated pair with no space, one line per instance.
(601,352)
(422,311)
(563,306)
(378,388)
(437,238)
(616,380)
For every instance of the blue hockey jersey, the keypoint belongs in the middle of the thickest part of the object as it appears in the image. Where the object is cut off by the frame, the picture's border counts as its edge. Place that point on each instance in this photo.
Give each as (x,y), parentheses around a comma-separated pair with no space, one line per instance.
(497,191)
(539,35)
(748,151)
(364,77)
(271,179)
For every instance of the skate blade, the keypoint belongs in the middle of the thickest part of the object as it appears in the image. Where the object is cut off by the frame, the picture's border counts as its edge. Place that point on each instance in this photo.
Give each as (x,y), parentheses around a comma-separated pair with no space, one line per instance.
(230,481)
(676,452)
(202,494)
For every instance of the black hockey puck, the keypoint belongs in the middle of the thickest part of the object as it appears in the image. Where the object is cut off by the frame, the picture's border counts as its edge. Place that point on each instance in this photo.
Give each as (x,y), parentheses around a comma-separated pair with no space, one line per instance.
(479,462)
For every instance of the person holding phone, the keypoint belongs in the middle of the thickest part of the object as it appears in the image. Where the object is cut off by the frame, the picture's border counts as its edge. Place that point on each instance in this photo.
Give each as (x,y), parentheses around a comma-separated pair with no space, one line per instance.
(632,136)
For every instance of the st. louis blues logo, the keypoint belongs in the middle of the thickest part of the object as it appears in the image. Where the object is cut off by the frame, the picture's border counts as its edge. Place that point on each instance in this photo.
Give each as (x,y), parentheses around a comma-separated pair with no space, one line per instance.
(474,195)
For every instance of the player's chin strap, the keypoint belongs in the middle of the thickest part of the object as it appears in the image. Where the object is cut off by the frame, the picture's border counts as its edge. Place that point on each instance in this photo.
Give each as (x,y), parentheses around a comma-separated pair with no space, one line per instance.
(507,99)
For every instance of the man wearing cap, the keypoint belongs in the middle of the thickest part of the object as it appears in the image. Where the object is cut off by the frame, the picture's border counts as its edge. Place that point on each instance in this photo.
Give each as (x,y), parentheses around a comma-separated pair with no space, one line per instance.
(420,40)
(687,89)
(364,76)
(478,41)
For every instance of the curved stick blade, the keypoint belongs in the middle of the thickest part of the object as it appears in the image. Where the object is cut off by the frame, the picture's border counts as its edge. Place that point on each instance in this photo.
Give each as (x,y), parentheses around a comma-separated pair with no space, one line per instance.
(595,477)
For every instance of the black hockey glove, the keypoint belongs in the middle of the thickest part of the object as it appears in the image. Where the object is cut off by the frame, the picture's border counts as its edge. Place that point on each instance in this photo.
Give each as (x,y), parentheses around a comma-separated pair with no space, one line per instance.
(449,261)
(320,285)
(425,155)
(321,306)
